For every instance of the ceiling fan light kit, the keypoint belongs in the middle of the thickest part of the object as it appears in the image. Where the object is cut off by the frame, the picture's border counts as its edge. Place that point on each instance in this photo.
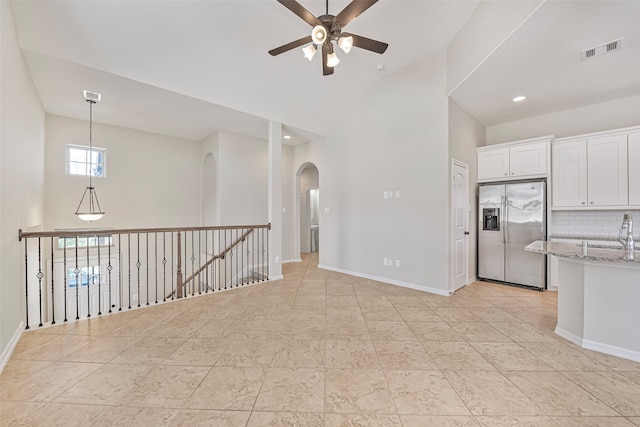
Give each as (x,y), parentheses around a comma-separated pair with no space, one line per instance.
(327,29)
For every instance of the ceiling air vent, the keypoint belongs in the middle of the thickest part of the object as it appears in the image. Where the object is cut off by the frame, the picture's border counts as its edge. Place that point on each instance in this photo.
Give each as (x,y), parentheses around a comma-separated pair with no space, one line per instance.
(601,49)
(92,96)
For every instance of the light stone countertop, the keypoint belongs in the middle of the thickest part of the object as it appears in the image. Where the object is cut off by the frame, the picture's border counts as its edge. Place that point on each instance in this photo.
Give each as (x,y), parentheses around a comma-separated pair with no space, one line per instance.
(573,251)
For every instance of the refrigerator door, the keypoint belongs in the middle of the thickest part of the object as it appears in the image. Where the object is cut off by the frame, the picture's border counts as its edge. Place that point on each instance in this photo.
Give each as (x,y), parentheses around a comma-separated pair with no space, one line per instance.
(491,232)
(524,223)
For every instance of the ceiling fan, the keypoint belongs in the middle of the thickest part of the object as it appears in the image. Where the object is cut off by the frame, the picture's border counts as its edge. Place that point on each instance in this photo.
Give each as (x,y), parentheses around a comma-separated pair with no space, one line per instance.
(328,28)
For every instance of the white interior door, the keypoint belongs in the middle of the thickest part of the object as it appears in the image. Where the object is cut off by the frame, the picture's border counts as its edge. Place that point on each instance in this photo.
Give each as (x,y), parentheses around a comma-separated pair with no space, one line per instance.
(460,224)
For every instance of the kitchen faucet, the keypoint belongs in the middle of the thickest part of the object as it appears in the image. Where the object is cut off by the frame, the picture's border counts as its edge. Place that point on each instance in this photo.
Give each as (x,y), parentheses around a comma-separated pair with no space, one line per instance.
(626,235)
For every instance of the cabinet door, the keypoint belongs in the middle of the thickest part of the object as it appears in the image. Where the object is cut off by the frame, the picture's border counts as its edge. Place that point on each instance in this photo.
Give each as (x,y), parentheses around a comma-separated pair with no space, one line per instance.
(607,173)
(634,168)
(493,164)
(529,159)
(569,173)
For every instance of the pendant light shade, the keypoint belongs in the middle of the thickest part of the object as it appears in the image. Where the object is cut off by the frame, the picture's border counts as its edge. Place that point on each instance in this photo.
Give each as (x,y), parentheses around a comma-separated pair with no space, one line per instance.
(345,43)
(309,51)
(332,60)
(89,207)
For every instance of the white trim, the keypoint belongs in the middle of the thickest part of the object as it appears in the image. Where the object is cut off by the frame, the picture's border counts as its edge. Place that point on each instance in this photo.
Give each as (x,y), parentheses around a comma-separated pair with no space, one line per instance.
(569,336)
(452,285)
(387,280)
(471,280)
(287,261)
(279,277)
(11,345)
(612,350)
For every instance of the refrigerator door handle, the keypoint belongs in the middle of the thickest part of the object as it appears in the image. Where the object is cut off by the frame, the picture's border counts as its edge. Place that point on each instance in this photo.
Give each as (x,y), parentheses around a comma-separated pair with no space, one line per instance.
(502,221)
(506,219)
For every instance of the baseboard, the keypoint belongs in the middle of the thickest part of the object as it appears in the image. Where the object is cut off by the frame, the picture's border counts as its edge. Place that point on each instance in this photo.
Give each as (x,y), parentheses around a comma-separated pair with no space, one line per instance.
(286,261)
(471,280)
(11,345)
(387,280)
(569,336)
(612,350)
(278,277)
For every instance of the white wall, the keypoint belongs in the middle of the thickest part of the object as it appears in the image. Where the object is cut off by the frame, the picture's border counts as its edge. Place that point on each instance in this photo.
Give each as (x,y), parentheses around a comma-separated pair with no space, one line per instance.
(22,136)
(152,180)
(397,139)
(465,134)
(243,180)
(620,113)
(489,25)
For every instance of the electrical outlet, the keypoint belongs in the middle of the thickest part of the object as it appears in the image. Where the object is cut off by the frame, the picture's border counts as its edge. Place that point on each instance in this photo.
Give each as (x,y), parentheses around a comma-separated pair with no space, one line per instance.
(385,195)
(397,194)
(386,261)
(391,194)
(397,263)
(277,260)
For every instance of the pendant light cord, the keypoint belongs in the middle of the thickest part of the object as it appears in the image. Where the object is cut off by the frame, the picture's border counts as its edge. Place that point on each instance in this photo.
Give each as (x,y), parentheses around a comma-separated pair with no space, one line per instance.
(90,142)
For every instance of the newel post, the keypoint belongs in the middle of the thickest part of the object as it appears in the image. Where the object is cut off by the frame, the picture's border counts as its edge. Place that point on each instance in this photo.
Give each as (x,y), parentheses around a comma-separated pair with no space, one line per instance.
(179,269)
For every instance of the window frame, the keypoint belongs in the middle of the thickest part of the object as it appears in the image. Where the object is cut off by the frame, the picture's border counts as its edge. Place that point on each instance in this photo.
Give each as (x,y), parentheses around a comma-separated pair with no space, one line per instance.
(67,162)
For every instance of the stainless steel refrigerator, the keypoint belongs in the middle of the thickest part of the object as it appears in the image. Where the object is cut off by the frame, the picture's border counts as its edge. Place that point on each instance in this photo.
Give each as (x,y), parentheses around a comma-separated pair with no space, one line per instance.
(512,215)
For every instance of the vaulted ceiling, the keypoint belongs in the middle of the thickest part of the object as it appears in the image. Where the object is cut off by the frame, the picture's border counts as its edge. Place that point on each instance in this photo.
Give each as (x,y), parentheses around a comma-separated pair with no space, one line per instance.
(188,68)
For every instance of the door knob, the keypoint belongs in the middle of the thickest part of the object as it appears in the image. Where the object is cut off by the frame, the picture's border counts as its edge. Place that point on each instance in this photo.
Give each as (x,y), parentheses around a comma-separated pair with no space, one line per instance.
(466,233)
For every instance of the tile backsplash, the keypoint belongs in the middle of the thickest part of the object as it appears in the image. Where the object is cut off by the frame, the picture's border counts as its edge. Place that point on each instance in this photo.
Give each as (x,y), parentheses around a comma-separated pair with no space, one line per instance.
(591,223)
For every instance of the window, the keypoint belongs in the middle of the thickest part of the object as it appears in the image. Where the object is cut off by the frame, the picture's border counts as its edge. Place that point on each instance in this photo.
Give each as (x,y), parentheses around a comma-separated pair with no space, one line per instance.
(82,162)
(83,242)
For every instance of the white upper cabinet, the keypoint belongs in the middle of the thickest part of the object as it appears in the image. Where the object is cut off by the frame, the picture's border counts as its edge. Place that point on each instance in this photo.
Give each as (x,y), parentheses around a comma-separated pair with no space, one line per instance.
(634,168)
(569,173)
(516,160)
(493,164)
(597,171)
(607,170)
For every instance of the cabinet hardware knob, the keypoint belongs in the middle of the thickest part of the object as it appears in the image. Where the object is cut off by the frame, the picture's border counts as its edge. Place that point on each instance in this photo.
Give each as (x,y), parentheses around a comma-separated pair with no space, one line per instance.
(591,202)
(583,203)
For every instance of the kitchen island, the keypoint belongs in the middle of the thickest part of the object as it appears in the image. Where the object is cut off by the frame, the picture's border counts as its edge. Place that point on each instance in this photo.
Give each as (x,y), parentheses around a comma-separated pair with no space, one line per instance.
(598,297)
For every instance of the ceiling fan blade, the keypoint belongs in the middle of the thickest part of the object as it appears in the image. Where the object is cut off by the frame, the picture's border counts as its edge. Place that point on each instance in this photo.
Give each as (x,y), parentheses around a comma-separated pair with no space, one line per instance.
(299,10)
(289,46)
(369,44)
(353,9)
(326,70)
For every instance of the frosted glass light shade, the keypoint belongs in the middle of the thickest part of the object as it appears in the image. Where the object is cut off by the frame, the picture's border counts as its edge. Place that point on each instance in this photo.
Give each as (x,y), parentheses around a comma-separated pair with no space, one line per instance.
(90,216)
(309,51)
(319,34)
(345,43)
(332,60)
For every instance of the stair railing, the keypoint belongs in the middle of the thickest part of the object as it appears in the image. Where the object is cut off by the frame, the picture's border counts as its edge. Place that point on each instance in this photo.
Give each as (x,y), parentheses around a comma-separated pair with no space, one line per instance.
(76,274)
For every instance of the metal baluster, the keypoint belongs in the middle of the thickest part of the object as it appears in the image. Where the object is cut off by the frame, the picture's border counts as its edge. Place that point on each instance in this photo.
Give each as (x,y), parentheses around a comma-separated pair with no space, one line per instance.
(225,259)
(99,277)
(121,296)
(109,268)
(206,257)
(172,263)
(138,265)
(193,260)
(231,260)
(89,274)
(147,238)
(53,297)
(199,262)
(219,262)
(235,250)
(155,262)
(77,273)
(242,256)
(26,280)
(253,256)
(66,276)
(39,276)
(129,265)
(263,257)
(268,256)
(164,266)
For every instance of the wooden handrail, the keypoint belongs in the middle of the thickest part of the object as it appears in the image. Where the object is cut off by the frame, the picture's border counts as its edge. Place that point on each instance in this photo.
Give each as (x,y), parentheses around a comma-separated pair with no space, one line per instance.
(104,231)
(215,257)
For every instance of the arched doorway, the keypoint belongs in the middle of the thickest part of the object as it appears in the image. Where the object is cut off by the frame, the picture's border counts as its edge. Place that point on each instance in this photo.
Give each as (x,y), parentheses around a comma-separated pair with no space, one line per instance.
(308,209)
(209,215)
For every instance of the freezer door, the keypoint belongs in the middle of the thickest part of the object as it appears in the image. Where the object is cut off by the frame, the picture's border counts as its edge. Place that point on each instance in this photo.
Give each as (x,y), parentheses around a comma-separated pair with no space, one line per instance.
(525,223)
(491,232)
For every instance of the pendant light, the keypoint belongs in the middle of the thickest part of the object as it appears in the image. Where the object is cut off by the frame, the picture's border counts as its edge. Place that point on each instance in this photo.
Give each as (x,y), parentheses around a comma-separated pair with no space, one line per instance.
(90,210)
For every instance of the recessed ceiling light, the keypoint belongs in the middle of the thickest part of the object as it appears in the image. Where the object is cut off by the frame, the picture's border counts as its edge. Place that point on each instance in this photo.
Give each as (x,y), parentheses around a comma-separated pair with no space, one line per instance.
(519,98)
(380,67)
(287,137)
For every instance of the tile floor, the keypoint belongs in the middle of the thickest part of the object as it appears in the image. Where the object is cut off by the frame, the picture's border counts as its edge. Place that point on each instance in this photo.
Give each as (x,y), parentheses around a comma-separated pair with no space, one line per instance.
(320,349)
